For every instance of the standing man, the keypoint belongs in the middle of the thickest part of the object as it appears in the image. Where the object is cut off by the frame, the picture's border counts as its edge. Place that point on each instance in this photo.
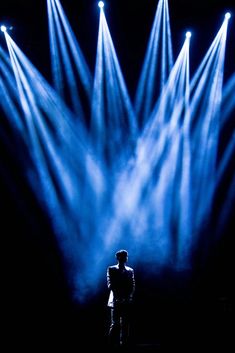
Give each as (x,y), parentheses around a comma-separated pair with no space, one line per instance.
(121,283)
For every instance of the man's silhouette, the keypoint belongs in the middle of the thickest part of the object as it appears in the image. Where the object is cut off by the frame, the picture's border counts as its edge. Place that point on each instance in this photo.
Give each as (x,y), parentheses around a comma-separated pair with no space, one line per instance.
(121,282)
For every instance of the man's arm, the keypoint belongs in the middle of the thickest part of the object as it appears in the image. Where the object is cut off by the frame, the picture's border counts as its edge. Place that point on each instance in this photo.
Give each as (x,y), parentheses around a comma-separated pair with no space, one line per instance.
(109,282)
(133,284)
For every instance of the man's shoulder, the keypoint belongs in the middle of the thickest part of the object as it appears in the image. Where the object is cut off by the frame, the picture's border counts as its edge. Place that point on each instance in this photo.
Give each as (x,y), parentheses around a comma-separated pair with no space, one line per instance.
(113,267)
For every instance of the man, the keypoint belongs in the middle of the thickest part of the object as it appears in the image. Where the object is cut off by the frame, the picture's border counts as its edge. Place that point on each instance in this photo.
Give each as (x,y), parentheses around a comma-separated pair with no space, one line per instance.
(121,283)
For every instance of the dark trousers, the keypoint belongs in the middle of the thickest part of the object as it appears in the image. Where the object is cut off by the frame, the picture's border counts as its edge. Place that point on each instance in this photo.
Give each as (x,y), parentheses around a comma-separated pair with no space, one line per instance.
(119,331)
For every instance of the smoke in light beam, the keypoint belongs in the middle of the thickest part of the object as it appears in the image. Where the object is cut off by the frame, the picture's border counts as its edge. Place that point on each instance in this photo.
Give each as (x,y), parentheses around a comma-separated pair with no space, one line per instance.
(150,190)
(64,172)
(113,120)
(157,64)
(74,84)
(205,124)
(138,192)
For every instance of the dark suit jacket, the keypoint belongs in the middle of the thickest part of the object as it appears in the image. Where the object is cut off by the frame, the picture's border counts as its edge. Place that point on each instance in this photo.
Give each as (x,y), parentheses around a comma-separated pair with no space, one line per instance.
(121,283)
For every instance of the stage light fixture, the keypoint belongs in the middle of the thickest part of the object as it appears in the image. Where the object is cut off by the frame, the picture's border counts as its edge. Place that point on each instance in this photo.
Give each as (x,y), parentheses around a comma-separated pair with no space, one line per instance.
(188,34)
(227,15)
(101,4)
(3,28)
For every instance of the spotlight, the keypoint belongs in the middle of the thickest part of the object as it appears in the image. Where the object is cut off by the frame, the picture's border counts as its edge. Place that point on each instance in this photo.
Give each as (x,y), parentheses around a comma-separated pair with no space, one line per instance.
(227,15)
(3,28)
(100,4)
(188,34)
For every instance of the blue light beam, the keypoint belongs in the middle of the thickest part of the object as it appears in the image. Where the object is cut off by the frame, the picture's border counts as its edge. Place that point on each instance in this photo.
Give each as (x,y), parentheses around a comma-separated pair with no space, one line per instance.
(65,52)
(157,64)
(113,119)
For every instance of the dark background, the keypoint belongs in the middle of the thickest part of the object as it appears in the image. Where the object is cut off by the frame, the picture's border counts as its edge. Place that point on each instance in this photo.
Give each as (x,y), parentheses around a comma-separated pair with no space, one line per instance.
(173,310)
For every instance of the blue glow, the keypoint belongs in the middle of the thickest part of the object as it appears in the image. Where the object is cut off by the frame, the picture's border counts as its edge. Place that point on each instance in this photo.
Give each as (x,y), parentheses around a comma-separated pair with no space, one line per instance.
(188,34)
(227,16)
(117,186)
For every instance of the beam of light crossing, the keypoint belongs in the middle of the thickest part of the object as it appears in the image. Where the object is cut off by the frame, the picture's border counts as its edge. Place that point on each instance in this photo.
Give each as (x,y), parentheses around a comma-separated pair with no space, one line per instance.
(97,104)
(206,91)
(228,103)
(9,94)
(73,137)
(227,117)
(122,96)
(47,98)
(167,51)
(65,180)
(183,206)
(228,205)
(157,66)
(169,107)
(34,123)
(68,63)
(56,64)
(138,193)
(149,202)
(113,120)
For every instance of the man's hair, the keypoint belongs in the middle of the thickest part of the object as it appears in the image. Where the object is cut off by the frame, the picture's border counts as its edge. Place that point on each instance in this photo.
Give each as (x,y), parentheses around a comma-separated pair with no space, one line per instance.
(121,254)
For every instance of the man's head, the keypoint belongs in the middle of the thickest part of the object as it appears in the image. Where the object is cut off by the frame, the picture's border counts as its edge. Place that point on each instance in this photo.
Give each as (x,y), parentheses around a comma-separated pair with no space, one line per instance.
(121,256)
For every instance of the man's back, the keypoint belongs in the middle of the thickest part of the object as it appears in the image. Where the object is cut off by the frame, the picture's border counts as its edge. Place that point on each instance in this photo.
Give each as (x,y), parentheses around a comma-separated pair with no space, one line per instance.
(121,283)
(121,280)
